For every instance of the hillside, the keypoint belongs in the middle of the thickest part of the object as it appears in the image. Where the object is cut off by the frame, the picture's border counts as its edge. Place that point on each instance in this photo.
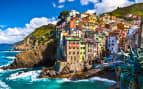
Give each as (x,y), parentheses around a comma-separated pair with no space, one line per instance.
(135,9)
(44,31)
(36,38)
(39,49)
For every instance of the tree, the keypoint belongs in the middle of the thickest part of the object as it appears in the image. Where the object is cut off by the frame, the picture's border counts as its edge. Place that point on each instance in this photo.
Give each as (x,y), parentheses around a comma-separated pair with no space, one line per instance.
(62,17)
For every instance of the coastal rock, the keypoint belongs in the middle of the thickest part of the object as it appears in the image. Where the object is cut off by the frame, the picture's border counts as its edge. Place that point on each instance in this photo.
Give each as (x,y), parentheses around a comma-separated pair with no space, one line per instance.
(44,55)
(66,70)
(48,72)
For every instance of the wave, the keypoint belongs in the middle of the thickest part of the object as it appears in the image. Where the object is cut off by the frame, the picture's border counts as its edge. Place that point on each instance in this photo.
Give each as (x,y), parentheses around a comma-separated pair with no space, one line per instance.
(63,80)
(11,57)
(3,85)
(7,64)
(32,75)
(10,51)
(84,80)
(1,70)
(96,79)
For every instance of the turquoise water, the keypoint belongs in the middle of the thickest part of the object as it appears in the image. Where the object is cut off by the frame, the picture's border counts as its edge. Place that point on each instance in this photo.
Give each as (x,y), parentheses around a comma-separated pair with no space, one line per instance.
(10,79)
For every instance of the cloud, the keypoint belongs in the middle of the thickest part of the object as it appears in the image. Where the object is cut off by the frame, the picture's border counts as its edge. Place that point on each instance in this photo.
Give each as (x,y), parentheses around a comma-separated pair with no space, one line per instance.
(62,1)
(54,5)
(70,0)
(12,35)
(139,1)
(106,6)
(86,2)
(60,6)
(91,11)
(2,26)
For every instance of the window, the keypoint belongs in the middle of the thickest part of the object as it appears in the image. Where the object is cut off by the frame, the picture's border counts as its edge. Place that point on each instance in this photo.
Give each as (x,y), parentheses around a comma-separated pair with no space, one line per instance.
(73,52)
(77,52)
(74,58)
(69,47)
(69,42)
(69,52)
(77,47)
(82,57)
(77,42)
(80,52)
(73,47)
(73,42)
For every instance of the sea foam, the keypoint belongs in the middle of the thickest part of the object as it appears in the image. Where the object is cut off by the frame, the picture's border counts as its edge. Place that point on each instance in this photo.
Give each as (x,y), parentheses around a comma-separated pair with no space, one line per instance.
(25,75)
(10,51)
(3,85)
(96,79)
(10,57)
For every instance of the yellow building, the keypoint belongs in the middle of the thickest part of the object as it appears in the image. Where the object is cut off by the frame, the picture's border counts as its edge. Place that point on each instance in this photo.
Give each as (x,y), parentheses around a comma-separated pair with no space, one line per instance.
(82,51)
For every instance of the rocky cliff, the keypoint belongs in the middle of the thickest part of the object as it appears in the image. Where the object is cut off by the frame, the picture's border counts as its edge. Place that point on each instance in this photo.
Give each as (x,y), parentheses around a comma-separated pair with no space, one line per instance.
(44,55)
(38,49)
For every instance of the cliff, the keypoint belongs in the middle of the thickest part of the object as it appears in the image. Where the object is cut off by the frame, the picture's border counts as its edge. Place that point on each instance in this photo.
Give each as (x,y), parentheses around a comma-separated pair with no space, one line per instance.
(38,49)
(44,55)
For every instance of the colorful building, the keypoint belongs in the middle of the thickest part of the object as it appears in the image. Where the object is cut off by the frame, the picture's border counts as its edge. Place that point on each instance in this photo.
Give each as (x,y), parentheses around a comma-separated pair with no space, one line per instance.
(82,50)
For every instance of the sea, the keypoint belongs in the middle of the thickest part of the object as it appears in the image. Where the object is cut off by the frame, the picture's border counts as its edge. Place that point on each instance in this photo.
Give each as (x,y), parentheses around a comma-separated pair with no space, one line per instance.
(28,78)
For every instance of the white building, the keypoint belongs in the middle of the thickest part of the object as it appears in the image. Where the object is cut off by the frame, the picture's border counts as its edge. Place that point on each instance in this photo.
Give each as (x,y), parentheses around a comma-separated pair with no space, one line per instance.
(73,13)
(112,44)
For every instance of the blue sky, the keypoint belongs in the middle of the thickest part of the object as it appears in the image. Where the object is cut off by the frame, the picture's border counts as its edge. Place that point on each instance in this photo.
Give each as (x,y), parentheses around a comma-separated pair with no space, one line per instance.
(18,12)
(18,18)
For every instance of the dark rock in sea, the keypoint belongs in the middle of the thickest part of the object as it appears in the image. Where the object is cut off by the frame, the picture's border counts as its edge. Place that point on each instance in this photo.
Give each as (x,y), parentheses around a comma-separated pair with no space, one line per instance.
(43,55)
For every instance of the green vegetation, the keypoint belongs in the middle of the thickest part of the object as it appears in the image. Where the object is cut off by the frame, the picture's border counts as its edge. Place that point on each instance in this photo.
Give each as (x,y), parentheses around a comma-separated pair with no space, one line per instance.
(135,9)
(62,17)
(42,33)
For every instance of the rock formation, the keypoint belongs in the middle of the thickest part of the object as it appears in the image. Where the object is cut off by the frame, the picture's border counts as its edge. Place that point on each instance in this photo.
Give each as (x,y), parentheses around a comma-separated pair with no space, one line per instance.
(44,55)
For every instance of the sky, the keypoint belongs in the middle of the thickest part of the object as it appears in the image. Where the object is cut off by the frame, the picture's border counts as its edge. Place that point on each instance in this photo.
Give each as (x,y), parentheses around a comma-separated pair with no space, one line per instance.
(18,18)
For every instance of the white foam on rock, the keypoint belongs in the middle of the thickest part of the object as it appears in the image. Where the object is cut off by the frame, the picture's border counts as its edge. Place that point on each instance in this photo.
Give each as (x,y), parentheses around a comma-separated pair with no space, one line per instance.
(10,57)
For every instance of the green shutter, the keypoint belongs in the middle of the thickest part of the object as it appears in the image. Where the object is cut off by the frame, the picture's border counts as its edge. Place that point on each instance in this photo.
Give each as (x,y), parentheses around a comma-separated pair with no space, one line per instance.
(78,42)
(69,42)
(77,52)
(69,52)
(74,42)
(73,52)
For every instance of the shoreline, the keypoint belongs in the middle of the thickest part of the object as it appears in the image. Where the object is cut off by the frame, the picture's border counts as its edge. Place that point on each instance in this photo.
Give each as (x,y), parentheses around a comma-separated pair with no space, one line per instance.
(104,73)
